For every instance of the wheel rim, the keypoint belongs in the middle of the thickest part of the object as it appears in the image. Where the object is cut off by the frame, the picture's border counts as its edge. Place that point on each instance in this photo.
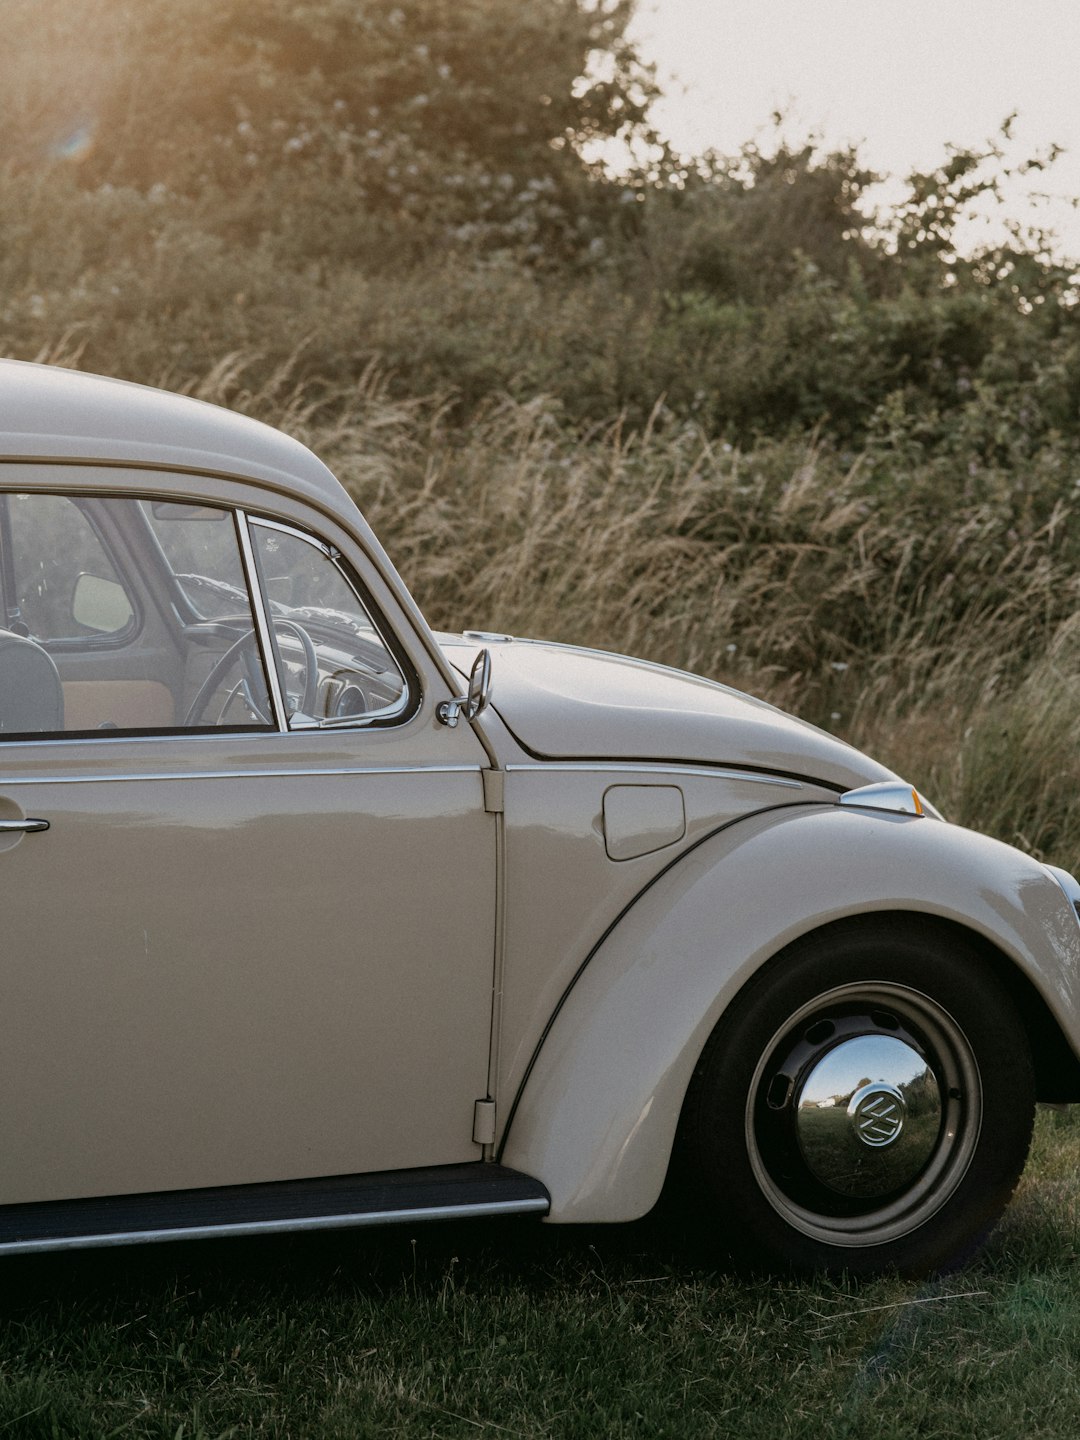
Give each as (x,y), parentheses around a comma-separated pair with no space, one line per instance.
(863,1114)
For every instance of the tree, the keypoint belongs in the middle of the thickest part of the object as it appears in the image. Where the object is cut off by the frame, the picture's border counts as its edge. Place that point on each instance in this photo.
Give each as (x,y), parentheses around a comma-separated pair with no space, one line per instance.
(466,116)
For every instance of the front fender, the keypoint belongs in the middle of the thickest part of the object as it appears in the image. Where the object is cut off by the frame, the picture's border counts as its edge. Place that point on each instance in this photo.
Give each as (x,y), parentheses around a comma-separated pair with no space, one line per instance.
(597,1112)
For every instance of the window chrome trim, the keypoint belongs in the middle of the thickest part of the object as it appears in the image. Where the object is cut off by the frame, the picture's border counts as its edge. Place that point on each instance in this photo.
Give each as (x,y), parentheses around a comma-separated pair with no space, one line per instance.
(262,628)
(642,767)
(284,774)
(286,529)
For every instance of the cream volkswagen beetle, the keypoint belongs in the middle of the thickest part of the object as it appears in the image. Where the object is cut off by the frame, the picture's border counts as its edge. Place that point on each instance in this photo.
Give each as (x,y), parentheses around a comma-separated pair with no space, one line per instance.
(314,918)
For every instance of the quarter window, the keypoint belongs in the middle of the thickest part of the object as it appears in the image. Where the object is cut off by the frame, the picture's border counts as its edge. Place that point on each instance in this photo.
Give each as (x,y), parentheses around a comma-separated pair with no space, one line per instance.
(336,667)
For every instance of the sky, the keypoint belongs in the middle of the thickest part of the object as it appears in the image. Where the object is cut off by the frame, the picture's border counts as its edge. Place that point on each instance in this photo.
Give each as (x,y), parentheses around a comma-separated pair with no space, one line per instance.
(901,80)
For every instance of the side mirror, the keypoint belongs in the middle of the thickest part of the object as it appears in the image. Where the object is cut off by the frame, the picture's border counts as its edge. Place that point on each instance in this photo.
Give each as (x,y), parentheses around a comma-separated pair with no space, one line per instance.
(479,686)
(476,701)
(101,605)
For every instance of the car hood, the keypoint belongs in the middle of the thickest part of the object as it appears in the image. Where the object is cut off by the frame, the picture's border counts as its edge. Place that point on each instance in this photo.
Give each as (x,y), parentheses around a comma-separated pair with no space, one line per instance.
(566,703)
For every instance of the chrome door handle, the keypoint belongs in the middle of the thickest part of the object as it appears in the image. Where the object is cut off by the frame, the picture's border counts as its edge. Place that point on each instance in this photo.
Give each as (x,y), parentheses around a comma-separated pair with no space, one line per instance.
(8,827)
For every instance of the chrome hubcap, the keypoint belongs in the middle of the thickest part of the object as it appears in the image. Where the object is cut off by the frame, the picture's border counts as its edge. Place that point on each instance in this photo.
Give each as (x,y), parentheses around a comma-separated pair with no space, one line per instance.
(868,1113)
(863,1114)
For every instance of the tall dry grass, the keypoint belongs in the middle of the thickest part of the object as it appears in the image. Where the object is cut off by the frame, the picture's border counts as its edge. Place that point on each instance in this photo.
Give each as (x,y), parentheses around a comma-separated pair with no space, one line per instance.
(944,638)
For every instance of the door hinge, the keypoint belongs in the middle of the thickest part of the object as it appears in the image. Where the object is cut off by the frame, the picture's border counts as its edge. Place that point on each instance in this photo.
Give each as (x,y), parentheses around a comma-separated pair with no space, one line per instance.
(494,788)
(483,1129)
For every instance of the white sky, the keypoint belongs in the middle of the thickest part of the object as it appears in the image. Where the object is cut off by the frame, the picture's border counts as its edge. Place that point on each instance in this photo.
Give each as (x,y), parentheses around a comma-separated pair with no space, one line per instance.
(901,78)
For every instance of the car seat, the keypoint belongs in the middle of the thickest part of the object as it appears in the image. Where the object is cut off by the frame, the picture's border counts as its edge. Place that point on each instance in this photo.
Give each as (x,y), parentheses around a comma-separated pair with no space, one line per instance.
(31,695)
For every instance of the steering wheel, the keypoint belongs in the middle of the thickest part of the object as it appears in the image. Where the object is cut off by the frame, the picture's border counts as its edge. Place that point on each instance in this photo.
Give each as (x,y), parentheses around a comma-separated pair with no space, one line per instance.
(245,652)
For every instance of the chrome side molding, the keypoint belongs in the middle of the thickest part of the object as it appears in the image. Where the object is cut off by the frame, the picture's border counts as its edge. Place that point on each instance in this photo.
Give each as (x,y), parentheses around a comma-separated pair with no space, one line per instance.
(292,1226)
(344,1202)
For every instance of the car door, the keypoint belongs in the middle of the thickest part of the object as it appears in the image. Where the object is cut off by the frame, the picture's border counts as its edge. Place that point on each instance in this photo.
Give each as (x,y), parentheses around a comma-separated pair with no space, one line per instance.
(255,941)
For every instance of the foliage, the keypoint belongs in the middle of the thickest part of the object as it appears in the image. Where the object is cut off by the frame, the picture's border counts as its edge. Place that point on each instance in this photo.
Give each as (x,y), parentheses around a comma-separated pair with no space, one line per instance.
(936,630)
(182,178)
(460,122)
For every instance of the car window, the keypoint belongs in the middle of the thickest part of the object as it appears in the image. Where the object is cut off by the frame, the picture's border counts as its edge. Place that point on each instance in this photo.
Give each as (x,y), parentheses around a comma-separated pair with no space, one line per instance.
(104,633)
(55,552)
(199,542)
(335,665)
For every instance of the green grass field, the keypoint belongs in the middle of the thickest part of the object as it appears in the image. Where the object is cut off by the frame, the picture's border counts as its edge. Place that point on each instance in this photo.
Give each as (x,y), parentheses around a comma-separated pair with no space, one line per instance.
(522,1329)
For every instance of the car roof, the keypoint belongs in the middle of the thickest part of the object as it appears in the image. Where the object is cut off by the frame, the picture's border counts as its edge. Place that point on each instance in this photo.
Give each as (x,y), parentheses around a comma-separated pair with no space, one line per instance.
(48,413)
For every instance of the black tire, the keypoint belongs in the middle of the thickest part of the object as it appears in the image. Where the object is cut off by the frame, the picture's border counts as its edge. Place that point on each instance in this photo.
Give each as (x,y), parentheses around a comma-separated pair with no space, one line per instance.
(864,1105)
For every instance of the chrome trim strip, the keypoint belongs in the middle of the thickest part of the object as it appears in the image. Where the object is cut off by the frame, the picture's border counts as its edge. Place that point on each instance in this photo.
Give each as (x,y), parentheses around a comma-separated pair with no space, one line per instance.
(287,529)
(254,735)
(257,601)
(6,783)
(611,767)
(347,1221)
(251,735)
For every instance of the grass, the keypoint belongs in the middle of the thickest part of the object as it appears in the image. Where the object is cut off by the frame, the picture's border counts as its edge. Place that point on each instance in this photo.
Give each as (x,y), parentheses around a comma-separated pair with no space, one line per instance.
(943,639)
(538,1331)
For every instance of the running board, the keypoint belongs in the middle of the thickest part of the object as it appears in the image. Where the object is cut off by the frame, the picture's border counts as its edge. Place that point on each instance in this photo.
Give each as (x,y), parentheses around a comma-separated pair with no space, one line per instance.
(449,1192)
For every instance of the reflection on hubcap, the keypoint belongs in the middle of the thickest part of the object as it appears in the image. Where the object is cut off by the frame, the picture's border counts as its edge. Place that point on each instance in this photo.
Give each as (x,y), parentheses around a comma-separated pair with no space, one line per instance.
(867,1113)
(877,1114)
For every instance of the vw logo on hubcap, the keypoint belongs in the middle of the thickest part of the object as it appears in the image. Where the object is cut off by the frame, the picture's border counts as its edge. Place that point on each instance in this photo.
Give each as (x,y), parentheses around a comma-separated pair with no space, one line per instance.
(877,1114)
